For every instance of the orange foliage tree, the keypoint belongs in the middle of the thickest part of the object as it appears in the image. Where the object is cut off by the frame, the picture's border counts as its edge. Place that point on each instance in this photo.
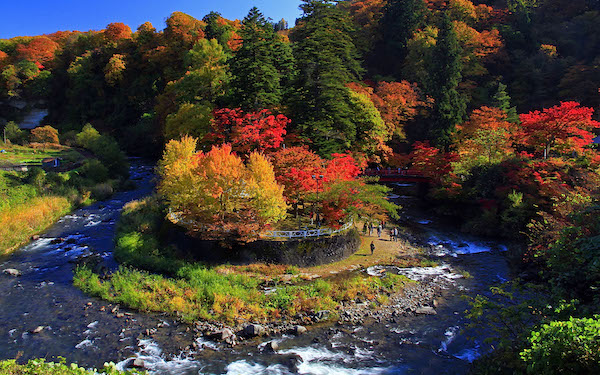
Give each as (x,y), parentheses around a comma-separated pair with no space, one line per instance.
(44,134)
(117,31)
(485,138)
(294,168)
(40,49)
(184,30)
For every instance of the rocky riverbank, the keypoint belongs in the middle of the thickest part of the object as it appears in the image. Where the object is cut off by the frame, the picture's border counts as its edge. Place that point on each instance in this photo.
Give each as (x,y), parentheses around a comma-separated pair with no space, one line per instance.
(415,298)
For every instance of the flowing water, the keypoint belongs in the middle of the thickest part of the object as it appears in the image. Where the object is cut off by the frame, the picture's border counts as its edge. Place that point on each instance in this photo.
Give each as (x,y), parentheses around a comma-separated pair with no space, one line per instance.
(90,332)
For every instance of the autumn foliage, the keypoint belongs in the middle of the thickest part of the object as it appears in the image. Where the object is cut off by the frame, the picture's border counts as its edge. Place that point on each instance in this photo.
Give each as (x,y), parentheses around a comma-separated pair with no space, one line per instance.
(40,49)
(44,134)
(217,195)
(563,128)
(260,131)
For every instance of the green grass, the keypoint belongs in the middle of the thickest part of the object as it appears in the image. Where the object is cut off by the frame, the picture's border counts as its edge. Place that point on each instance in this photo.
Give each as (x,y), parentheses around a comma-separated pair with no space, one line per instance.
(225,293)
(41,367)
(17,155)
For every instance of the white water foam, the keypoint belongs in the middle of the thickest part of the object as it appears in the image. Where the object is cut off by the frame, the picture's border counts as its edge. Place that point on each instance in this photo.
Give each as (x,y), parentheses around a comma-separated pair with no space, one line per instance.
(441,274)
(205,344)
(38,244)
(455,248)
(319,360)
(84,344)
(466,354)
(243,367)
(450,336)
(154,361)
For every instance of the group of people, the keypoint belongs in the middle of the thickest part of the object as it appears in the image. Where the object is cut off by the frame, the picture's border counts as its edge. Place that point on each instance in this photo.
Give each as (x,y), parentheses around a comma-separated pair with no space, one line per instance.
(394,232)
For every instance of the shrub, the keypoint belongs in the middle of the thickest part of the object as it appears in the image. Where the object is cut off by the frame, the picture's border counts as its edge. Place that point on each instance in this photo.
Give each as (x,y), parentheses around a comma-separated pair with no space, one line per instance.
(36,177)
(94,170)
(87,137)
(14,134)
(41,367)
(102,191)
(565,347)
(105,148)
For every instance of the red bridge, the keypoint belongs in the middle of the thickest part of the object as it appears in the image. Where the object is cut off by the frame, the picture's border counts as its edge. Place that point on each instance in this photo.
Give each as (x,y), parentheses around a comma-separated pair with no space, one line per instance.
(396,175)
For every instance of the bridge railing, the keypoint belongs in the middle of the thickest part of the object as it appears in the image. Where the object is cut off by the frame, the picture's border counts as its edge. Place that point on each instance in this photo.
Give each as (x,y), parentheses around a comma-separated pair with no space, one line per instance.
(176,217)
(391,172)
(306,233)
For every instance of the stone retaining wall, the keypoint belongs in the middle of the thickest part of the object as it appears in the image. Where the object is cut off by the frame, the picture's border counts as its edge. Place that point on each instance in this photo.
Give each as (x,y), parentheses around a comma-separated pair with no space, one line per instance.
(301,253)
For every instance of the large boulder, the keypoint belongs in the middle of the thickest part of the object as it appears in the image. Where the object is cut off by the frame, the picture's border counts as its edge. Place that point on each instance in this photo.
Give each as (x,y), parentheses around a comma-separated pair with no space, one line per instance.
(12,272)
(299,330)
(253,330)
(426,310)
(271,347)
(226,335)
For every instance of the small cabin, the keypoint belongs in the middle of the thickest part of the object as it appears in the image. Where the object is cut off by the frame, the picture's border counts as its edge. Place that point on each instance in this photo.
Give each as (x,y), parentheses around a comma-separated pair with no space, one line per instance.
(51,163)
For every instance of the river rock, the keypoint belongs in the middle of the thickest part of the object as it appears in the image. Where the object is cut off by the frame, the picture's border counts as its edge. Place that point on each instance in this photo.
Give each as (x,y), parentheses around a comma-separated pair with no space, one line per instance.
(224,334)
(57,240)
(35,237)
(37,329)
(271,347)
(426,310)
(299,330)
(322,315)
(139,363)
(12,272)
(253,330)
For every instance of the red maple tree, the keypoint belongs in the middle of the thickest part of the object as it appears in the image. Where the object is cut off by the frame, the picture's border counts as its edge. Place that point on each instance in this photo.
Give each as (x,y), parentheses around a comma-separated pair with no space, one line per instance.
(260,131)
(563,128)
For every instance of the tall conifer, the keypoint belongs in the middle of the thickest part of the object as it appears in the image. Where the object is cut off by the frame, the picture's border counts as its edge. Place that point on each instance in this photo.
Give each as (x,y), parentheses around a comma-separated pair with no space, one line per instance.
(399,21)
(326,60)
(255,77)
(445,76)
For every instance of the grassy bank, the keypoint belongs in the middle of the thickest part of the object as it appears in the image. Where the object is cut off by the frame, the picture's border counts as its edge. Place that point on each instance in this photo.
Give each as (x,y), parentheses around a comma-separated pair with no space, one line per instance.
(18,224)
(19,155)
(30,201)
(231,294)
(41,367)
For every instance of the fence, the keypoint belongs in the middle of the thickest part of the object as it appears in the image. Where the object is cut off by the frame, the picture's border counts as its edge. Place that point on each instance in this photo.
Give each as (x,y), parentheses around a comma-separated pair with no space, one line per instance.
(176,218)
(305,233)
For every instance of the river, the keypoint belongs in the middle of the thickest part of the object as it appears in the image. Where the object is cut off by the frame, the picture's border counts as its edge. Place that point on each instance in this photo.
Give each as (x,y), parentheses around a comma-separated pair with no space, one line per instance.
(90,332)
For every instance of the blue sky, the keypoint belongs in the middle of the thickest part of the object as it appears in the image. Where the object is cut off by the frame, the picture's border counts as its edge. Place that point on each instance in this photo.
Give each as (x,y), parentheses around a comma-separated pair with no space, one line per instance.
(35,17)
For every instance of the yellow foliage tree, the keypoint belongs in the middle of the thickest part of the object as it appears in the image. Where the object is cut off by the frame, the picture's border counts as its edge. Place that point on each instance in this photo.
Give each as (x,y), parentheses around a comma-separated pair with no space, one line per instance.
(215,195)
(267,194)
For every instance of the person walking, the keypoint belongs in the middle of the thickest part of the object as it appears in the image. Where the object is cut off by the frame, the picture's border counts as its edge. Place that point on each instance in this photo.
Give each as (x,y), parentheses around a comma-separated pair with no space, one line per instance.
(396,233)
(392,234)
(379,231)
(370,229)
(372,247)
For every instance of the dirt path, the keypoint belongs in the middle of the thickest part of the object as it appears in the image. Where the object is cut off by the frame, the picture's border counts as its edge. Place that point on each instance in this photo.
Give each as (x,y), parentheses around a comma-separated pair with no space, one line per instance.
(386,252)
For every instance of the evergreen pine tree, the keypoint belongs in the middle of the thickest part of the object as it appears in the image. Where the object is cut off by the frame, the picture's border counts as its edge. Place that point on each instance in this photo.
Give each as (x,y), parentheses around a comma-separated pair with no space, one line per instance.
(326,60)
(255,78)
(445,76)
(399,21)
(502,100)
